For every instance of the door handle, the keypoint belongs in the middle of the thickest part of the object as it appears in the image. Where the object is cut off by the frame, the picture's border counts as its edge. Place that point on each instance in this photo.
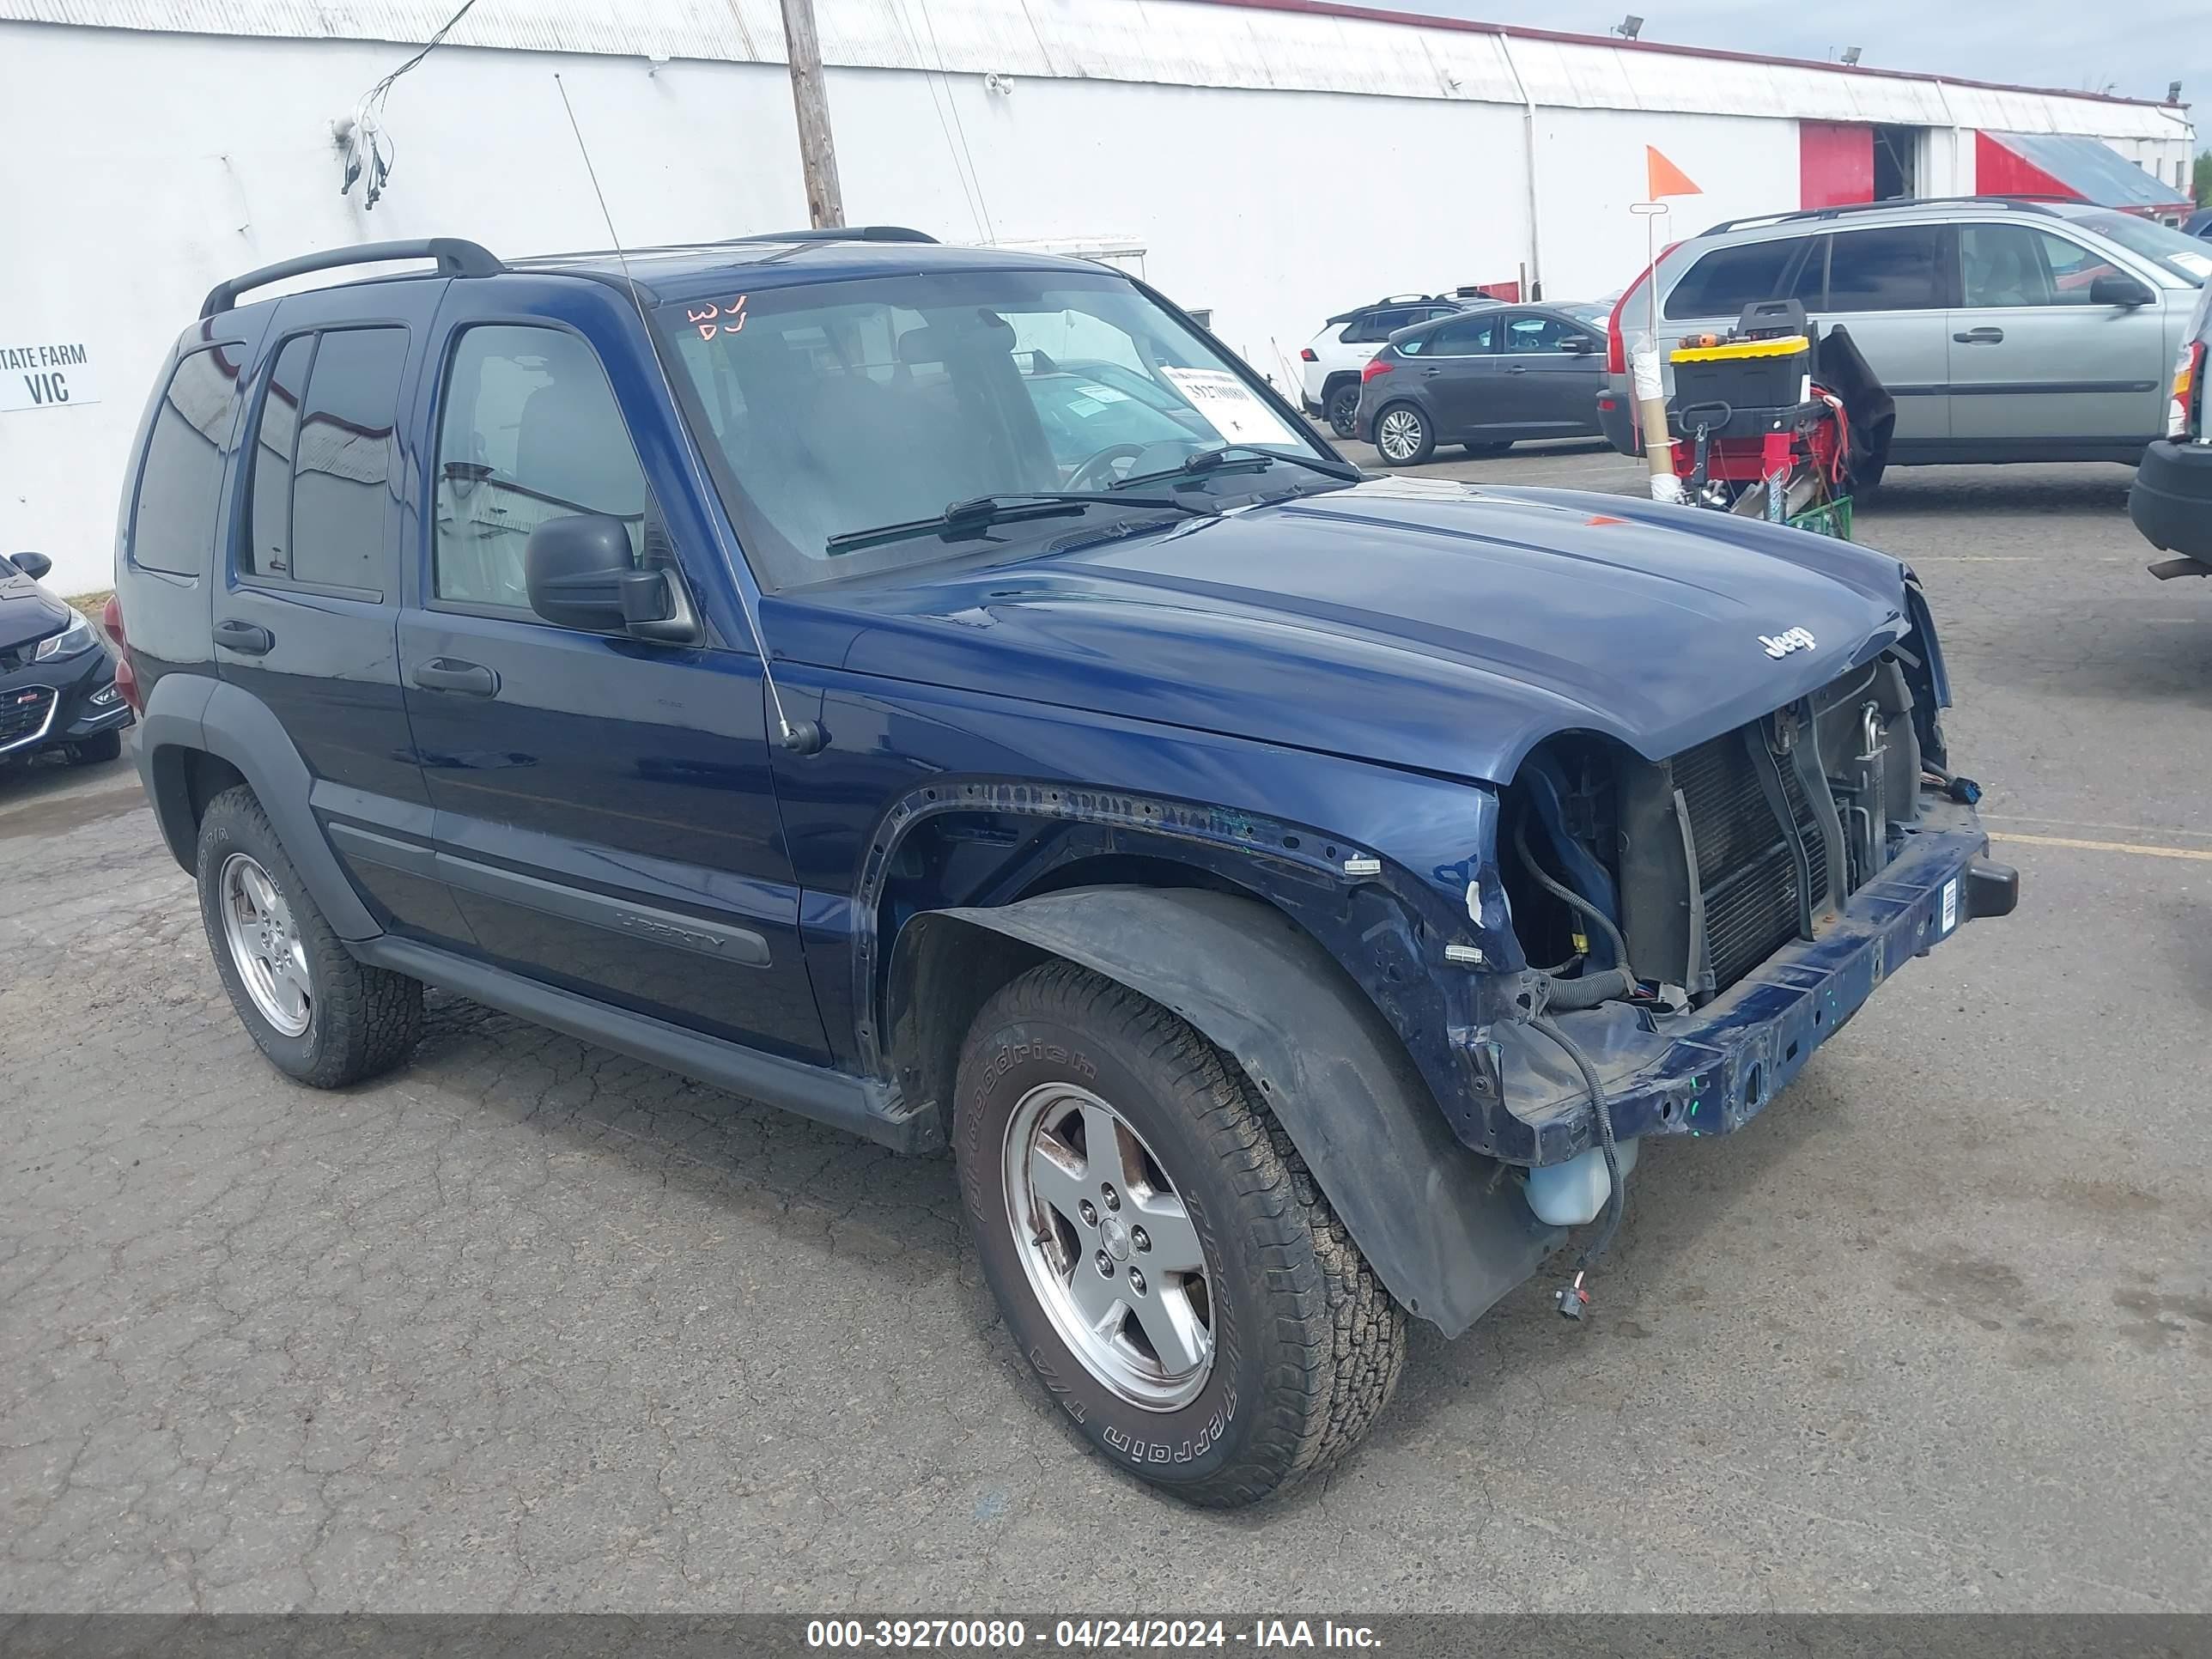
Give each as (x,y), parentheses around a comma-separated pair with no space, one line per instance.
(1980,337)
(1431,372)
(451,674)
(1516,368)
(247,639)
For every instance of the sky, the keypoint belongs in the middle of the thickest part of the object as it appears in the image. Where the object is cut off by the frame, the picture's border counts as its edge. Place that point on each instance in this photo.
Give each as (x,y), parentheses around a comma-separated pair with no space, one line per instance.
(2135,49)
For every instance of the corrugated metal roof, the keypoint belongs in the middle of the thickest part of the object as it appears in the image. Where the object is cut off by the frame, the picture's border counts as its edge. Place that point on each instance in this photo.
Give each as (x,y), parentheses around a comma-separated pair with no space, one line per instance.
(2095,171)
(1279,44)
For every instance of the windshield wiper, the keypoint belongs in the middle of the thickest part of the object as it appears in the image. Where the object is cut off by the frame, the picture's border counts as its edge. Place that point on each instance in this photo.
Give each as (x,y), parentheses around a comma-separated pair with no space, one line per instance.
(1241,455)
(979,512)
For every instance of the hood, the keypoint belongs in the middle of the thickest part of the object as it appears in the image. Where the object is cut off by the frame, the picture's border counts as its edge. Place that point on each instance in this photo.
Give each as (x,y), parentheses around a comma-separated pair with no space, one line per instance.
(1441,626)
(28,611)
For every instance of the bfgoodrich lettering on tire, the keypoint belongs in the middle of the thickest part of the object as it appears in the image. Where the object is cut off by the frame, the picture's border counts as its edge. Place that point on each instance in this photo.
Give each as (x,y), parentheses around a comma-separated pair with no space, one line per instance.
(319,1015)
(1162,1258)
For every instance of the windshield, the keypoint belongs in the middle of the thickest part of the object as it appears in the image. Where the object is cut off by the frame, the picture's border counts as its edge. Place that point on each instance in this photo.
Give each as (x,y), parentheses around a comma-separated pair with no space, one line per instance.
(842,407)
(2185,257)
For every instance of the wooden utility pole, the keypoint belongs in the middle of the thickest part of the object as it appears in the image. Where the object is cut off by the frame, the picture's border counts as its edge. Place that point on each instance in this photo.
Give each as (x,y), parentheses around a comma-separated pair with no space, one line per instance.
(817,151)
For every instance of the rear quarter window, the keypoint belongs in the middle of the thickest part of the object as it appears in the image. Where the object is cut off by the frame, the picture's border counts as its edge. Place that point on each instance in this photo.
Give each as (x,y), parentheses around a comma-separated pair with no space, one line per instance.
(173,521)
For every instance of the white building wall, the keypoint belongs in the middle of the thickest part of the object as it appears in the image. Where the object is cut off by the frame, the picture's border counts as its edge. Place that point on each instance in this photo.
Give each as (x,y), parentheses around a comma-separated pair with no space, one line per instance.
(1590,166)
(1275,167)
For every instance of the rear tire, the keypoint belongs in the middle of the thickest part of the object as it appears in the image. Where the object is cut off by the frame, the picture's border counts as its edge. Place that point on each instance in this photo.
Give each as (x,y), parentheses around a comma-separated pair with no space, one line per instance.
(319,1015)
(1340,408)
(107,746)
(1403,435)
(1484,452)
(1084,1112)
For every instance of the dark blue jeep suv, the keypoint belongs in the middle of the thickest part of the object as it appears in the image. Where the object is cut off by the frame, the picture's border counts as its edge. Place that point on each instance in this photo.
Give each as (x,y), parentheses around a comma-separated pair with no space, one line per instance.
(945,693)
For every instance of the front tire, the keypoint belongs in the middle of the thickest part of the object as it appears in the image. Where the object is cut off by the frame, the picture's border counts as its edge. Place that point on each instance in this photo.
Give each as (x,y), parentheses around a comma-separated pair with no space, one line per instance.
(92,751)
(319,1015)
(1159,1250)
(1403,435)
(1341,408)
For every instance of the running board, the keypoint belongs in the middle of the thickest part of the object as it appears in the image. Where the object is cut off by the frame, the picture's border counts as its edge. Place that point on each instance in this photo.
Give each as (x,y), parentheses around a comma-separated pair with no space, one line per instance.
(857,1105)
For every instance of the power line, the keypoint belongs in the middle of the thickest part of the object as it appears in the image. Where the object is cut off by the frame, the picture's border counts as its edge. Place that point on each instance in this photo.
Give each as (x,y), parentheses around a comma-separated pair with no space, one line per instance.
(974,212)
(989,233)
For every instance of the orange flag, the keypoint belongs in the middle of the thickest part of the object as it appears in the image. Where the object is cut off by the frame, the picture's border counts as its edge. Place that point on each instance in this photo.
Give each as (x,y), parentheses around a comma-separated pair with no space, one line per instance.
(1666,178)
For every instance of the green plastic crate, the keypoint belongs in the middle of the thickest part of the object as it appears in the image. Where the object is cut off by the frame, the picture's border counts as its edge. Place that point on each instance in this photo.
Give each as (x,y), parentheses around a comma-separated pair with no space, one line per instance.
(1832,519)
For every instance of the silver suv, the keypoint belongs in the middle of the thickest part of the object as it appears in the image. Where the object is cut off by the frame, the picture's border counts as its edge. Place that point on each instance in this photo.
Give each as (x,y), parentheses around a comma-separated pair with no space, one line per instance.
(2007,329)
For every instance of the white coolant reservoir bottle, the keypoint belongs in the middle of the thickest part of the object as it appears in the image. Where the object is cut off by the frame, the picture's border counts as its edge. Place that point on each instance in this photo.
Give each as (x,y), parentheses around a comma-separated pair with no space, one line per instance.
(1568,1195)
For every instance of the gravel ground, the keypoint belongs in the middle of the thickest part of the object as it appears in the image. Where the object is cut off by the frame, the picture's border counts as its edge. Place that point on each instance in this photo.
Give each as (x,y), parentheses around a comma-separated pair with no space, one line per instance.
(530,1326)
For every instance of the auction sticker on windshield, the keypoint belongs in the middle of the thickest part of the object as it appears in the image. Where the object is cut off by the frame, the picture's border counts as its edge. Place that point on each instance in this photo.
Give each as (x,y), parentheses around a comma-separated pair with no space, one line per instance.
(1232,407)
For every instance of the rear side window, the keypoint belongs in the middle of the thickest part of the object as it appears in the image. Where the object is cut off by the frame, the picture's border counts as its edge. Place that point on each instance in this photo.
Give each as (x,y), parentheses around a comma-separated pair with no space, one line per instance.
(1463,336)
(1378,325)
(268,551)
(172,524)
(530,432)
(1889,269)
(1727,279)
(323,462)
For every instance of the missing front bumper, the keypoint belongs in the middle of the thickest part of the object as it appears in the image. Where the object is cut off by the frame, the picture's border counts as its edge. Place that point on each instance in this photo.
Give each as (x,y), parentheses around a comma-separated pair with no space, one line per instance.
(1711,1071)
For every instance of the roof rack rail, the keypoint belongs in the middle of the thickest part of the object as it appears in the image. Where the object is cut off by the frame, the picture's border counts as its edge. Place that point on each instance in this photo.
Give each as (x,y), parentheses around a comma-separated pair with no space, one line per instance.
(455,258)
(2021,204)
(841,233)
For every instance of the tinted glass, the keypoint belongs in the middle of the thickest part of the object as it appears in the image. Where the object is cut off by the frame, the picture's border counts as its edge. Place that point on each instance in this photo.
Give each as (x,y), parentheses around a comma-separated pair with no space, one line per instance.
(1377,326)
(2021,265)
(530,432)
(1727,279)
(268,549)
(172,524)
(344,462)
(1810,289)
(1538,333)
(1463,336)
(1889,269)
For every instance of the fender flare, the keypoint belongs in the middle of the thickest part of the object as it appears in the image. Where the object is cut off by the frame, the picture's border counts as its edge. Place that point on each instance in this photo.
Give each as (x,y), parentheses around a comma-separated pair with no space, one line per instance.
(1446,1230)
(207,716)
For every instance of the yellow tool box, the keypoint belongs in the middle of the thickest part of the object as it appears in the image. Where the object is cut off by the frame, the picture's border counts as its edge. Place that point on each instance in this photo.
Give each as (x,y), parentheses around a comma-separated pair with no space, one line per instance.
(1771,373)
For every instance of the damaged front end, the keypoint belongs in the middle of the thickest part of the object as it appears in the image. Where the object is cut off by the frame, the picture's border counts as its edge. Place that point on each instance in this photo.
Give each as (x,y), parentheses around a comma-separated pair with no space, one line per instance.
(1693,928)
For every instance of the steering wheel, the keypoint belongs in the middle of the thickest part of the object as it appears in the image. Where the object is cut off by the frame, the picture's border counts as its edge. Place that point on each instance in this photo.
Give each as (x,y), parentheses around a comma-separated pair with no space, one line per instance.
(1098,464)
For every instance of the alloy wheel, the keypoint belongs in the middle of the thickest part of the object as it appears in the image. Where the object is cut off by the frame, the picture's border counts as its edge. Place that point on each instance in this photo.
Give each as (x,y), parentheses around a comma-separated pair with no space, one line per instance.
(1398,434)
(265,947)
(1109,1247)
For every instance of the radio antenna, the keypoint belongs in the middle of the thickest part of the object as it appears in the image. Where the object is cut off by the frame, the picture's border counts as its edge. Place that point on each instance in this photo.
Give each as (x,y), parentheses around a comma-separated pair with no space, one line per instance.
(800,737)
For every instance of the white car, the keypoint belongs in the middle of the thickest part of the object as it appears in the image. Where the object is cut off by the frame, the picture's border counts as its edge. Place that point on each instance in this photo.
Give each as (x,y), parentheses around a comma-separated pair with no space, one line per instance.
(1330,362)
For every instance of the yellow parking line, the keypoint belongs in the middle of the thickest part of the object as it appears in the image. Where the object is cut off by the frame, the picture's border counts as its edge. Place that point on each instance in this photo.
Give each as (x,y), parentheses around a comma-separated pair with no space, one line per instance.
(2138,848)
(2099,823)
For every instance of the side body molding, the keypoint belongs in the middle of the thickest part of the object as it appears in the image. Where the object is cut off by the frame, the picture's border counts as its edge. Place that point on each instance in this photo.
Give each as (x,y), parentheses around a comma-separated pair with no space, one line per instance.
(1447,1230)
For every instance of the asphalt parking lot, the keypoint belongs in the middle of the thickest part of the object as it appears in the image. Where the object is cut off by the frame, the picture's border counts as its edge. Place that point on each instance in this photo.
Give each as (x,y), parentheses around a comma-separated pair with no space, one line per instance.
(529,1326)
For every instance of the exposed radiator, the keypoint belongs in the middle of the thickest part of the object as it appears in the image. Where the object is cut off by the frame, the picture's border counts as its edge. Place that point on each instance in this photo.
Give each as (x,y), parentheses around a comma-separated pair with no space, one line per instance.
(1745,866)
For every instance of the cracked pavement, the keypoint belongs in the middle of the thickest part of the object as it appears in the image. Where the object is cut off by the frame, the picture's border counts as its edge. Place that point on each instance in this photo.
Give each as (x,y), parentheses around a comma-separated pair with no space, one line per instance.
(528,1326)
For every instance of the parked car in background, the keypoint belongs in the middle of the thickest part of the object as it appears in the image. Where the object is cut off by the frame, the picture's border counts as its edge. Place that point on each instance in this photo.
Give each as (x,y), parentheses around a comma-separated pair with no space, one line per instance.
(729,668)
(2007,330)
(1483,378)
(2198,224)
(2171,501)
(57,673)
(1330,362)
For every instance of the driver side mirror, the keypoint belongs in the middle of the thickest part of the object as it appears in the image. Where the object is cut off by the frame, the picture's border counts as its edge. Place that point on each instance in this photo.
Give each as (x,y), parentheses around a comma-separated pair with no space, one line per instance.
(1578,345)
(579,575)
(33,565)
(2115,289)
